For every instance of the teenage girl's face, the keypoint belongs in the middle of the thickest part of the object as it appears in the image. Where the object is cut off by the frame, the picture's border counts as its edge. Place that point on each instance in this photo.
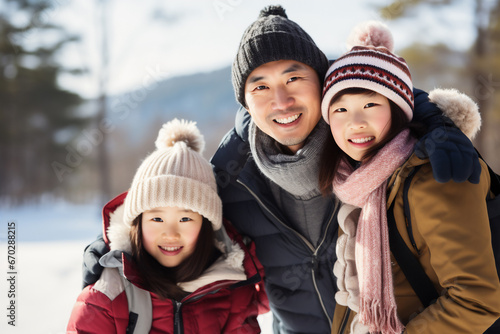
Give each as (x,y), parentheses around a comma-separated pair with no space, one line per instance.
(169,234)
(359,121)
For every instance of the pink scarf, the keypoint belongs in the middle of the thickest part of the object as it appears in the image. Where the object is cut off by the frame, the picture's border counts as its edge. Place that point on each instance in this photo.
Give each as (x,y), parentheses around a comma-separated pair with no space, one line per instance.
(366,188)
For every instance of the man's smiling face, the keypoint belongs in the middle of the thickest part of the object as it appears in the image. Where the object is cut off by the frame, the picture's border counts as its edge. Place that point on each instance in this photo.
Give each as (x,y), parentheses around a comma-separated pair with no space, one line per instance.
(283,97)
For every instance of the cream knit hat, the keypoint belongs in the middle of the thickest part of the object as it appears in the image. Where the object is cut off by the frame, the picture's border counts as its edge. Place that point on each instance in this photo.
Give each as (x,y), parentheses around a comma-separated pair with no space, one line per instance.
(175,175)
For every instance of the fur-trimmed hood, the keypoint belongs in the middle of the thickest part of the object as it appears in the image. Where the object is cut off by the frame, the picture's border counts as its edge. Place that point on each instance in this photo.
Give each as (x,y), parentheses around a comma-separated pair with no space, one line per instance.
(460,108)
(230,266)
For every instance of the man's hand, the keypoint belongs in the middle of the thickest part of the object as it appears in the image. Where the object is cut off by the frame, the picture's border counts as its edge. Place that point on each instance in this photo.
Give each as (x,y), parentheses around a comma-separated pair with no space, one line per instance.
(451,154)
(92,270)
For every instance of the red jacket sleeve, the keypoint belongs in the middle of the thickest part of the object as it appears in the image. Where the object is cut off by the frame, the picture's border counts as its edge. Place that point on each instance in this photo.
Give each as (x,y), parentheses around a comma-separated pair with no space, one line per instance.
(245,307)
(95,313)
(252,266)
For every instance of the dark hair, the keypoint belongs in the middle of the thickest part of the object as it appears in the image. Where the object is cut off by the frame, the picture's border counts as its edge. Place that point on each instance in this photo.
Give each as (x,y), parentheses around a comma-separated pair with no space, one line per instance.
(162,280)
(332,154)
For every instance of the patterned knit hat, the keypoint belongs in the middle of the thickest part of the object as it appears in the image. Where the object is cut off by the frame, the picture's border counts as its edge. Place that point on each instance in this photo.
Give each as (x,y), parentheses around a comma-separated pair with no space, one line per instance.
(370,65)
(274,37)
(175,175)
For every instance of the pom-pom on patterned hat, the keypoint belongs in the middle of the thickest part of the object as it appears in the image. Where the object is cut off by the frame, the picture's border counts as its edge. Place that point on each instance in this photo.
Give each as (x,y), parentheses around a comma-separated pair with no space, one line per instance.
(370,64)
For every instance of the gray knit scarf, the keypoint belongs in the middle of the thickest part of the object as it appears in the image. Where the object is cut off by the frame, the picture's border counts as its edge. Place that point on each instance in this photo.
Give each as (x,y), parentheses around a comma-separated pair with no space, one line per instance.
(297,174)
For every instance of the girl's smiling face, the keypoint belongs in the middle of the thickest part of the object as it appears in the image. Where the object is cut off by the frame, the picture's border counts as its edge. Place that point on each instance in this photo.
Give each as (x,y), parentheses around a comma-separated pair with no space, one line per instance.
(359,121)
(169,234)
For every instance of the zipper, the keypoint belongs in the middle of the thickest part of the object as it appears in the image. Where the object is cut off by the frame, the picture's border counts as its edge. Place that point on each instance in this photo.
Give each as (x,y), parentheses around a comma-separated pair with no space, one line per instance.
(315,264)
(213,289)
(344,321)
(178,327)
(306,242)
(178,324)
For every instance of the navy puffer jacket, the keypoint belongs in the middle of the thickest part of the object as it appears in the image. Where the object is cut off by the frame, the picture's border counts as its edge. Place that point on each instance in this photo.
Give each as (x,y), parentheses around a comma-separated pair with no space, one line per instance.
(298,276)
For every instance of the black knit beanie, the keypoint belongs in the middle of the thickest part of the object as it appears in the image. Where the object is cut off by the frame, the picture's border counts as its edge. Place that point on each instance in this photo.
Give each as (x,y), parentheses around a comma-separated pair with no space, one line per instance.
(274,37)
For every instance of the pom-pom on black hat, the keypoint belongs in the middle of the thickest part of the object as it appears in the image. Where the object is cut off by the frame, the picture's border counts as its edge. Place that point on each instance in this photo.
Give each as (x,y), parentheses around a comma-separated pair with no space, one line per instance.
(270,38)
(273,10)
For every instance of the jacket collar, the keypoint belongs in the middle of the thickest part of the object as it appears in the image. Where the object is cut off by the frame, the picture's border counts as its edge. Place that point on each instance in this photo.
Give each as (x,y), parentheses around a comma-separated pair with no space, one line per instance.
(241,123)
(400,174)
(234,148)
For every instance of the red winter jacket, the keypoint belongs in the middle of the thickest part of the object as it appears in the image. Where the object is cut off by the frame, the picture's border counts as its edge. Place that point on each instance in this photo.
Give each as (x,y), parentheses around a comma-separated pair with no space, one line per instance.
(224,305)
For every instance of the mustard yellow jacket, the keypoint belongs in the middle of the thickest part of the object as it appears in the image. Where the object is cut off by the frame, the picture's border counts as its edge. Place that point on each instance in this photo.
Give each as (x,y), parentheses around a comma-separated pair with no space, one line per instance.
(451,231)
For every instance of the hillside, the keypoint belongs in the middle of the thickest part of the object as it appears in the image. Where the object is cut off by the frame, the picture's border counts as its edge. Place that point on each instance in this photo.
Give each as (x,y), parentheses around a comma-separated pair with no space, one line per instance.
(206,98)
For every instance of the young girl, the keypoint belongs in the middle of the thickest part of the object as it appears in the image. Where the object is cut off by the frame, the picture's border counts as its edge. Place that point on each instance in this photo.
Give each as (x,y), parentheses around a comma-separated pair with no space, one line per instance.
(172,267)
(368,103)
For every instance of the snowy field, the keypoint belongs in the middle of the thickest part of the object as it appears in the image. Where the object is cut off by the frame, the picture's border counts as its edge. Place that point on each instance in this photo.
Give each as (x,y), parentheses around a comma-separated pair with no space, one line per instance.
(49,248)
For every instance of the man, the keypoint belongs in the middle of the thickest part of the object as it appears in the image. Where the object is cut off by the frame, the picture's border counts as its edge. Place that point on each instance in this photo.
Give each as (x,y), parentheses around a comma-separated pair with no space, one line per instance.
(269,189)
(267,171)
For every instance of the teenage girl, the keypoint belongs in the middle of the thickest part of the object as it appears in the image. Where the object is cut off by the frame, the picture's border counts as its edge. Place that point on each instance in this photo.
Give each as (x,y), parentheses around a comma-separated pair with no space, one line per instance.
(368,103)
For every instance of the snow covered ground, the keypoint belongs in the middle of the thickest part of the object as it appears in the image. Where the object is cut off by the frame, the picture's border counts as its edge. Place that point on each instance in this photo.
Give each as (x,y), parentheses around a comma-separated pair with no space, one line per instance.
(49,248)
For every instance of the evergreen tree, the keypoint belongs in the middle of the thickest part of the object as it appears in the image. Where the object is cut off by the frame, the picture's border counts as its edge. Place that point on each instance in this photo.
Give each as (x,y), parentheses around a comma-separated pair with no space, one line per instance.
(37,117)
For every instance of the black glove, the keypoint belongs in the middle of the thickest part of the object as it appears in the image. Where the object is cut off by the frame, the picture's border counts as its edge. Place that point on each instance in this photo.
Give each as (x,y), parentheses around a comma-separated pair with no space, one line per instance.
(91,269)
(450,152)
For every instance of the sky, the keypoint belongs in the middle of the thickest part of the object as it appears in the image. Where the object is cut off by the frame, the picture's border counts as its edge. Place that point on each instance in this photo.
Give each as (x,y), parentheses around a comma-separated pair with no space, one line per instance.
(159,39)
